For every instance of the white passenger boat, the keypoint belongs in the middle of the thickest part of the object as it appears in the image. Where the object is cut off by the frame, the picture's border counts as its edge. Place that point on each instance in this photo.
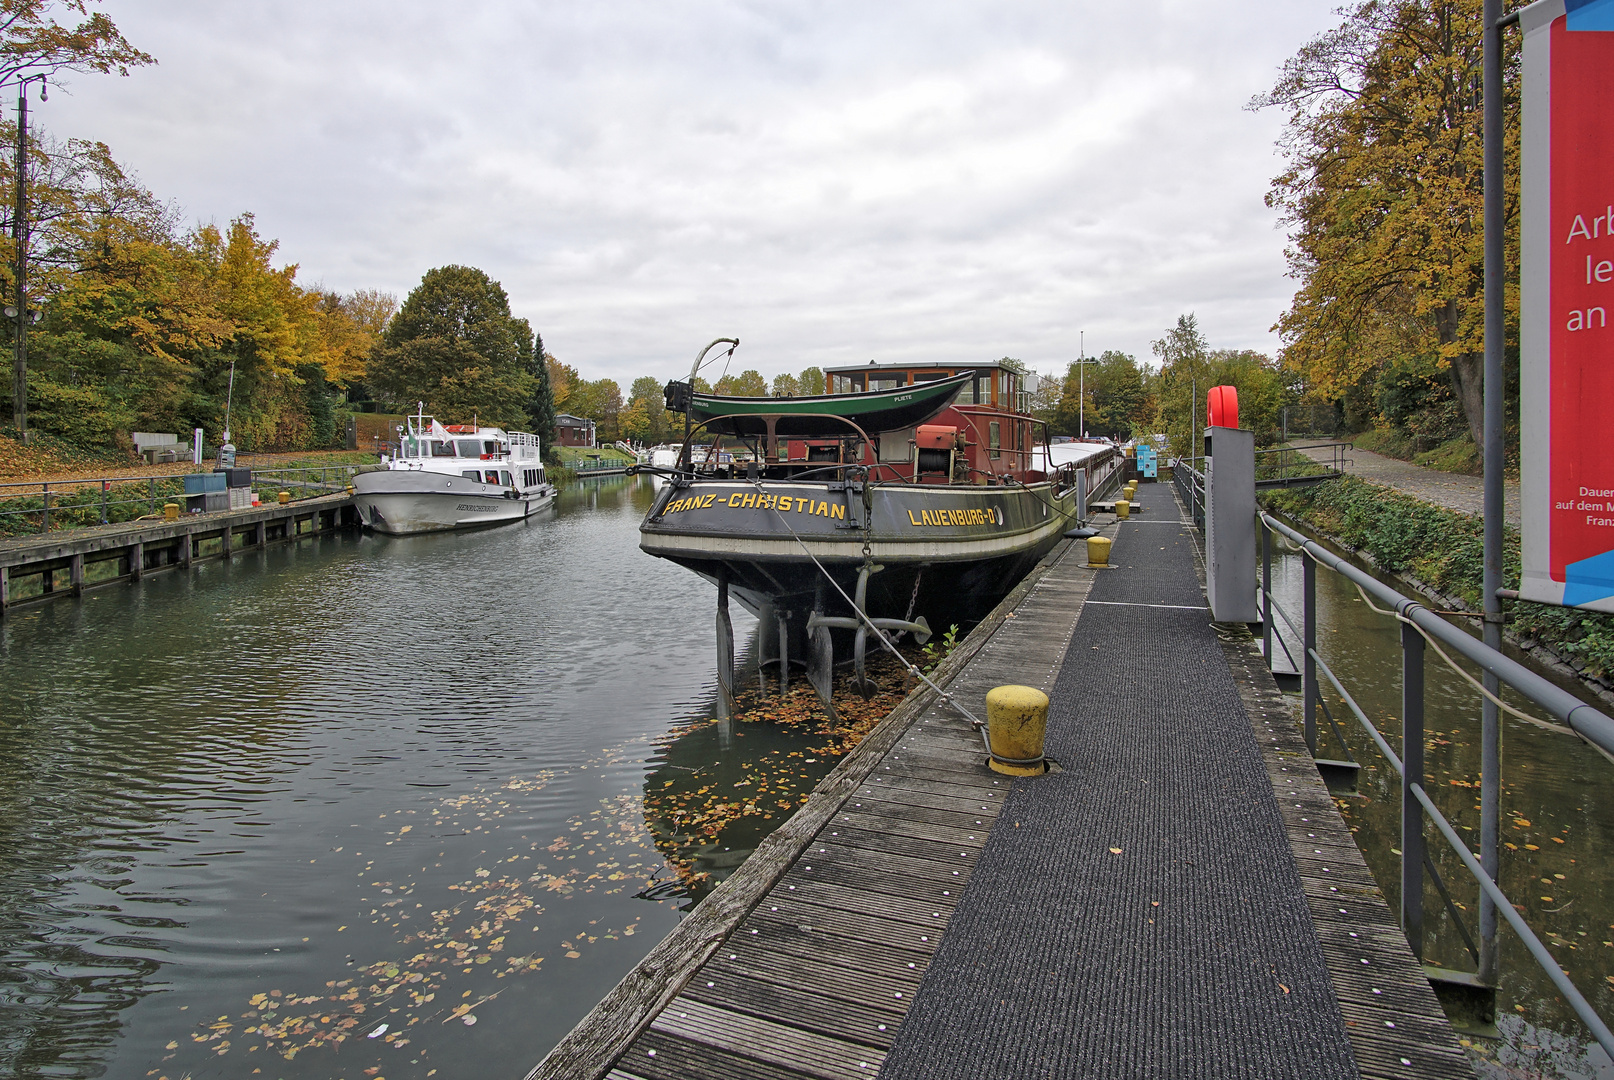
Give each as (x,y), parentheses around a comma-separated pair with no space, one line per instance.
(454,477)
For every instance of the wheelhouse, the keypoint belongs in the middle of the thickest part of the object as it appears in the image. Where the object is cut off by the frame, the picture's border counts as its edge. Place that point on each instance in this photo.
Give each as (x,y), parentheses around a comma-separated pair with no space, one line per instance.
(985,435)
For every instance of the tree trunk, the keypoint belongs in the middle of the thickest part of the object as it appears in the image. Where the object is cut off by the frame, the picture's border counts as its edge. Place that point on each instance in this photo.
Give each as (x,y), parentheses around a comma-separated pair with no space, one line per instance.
(1467,373)
(1468,382)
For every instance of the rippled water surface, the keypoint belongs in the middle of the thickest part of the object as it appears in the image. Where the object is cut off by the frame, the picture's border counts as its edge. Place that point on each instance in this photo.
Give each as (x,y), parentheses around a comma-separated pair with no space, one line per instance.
(250,814)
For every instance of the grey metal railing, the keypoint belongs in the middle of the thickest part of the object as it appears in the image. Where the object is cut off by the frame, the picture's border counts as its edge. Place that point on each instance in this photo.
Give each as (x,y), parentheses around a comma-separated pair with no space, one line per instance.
(1421,627)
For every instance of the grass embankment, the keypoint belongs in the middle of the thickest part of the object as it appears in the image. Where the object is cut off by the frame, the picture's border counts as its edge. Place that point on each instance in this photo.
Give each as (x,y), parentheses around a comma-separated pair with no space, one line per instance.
(580,457)
(1444,550)
(1458,455)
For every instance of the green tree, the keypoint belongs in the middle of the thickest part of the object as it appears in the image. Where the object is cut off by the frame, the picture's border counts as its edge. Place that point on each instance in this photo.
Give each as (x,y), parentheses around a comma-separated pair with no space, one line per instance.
(645,417)
(1189,368)
(786,385)
(748,383)
(454,346)
(601,402)
(541,408)
(810,382)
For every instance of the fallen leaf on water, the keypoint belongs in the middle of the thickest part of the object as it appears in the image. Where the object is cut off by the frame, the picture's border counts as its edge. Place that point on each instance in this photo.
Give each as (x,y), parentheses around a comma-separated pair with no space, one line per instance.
(470,1018)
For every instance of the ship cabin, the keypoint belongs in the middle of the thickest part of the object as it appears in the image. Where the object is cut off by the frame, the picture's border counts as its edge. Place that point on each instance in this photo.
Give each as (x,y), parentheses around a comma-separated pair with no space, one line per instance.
(985,435)
(445,447)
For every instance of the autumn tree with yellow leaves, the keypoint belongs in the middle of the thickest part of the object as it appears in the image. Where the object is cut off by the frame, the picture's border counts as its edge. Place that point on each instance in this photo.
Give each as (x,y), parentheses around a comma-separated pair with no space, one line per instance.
(1383,197)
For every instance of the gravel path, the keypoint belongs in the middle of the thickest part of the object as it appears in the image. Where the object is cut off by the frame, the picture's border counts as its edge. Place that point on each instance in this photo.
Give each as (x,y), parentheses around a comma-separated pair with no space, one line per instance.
(1465,494)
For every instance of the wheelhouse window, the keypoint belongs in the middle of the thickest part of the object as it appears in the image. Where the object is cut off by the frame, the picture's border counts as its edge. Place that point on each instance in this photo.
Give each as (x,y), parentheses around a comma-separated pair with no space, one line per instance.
(492,447)
(472,474)
(470,448)
(887,382)
(442,449)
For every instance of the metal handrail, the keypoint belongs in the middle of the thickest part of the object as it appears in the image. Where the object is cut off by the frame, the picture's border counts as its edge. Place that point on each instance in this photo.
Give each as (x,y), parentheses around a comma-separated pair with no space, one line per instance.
(51,492)
(1420,623)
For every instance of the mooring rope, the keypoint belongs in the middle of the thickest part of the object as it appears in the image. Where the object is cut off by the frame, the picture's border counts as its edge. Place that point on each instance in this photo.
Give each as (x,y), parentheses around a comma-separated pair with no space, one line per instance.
(976,722)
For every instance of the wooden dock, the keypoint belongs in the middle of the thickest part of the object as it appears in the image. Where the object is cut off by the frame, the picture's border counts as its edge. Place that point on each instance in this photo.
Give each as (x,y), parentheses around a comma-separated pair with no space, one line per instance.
(805,963)
(34,569)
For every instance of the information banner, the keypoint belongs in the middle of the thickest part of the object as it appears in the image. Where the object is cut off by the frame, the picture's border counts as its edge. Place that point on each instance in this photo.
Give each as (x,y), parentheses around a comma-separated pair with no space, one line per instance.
(1566,385)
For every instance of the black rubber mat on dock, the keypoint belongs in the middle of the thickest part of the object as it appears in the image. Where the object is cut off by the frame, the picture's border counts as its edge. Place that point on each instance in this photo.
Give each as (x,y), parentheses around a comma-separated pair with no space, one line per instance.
(1138,914)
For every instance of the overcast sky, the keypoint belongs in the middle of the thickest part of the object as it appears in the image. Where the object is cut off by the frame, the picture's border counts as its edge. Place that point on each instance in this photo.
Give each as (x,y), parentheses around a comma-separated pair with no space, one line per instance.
(832,182)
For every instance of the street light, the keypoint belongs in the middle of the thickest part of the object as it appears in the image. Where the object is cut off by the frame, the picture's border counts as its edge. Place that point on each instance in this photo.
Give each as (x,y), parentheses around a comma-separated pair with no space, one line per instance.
(20,312)
(1081,393)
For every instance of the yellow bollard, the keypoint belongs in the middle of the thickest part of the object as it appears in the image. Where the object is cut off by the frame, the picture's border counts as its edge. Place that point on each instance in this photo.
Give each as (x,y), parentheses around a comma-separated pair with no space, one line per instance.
(1131,489)
(1123,509)
(170,511)
(285,497)
(350,489)
(1016,723)
(1098,551)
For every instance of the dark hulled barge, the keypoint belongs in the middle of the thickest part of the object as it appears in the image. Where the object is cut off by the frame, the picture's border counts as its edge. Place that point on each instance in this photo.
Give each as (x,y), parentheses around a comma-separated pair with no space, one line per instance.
(911,496)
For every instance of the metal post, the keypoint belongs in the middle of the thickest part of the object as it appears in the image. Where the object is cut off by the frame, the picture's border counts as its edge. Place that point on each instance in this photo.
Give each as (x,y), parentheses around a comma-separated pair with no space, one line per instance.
(45,525)
(784,654)
(1412,853)
(725,652)
(153,494)
(1266,593)
(19,240)
(106,485)
(1495,388)
(1308,676)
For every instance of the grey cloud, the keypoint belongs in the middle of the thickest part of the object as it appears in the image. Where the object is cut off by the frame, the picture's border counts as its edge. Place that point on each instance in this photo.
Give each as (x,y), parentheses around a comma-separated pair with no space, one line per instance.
(832,181)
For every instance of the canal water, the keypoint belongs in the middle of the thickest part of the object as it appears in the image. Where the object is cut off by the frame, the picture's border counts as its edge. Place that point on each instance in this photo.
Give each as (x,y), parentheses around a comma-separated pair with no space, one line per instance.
(379,807)
(365,806)
(1557,829)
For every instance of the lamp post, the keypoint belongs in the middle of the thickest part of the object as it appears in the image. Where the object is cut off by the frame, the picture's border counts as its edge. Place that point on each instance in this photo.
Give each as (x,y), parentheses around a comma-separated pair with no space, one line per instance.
(1081,382)
(19,312)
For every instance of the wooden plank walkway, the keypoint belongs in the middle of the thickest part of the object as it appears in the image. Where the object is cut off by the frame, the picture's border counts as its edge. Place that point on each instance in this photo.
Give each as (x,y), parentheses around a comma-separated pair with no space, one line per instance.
(67,562)
(805,962)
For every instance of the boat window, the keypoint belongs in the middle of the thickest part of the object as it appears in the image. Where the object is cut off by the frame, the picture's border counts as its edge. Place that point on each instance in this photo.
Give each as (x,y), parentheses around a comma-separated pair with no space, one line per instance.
(966,396)
(493,476)
(887,382)
(410,448)
(472,474)
(994,438)
(929,376)
(492,447)
(442,449)
(471,448)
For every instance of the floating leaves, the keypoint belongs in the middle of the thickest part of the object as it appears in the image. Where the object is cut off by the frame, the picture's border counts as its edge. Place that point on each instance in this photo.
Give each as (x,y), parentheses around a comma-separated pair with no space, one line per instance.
(670,843)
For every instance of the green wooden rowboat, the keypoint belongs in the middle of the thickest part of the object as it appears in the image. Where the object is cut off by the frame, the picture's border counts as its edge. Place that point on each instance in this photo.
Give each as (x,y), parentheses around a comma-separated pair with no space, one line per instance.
(816,416)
